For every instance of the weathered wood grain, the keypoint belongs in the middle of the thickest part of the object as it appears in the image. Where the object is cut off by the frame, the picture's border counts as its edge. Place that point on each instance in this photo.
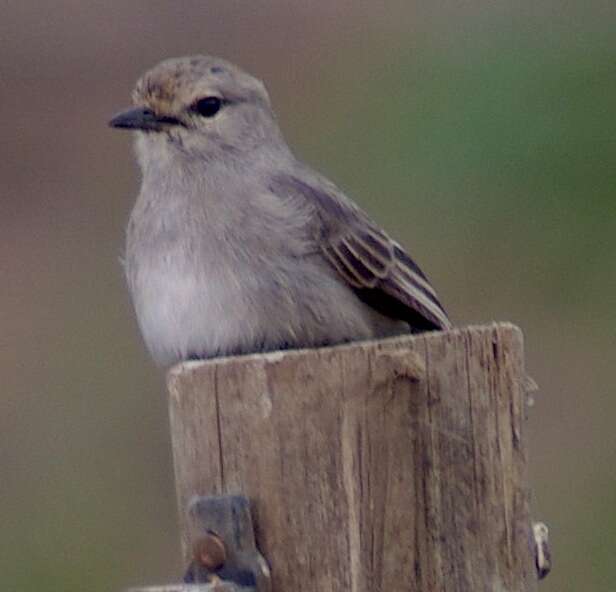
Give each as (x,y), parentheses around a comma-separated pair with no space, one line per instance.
(396,465)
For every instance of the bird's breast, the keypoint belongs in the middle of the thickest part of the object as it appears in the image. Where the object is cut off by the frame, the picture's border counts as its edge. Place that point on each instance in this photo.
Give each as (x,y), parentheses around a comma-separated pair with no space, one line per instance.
(185,308)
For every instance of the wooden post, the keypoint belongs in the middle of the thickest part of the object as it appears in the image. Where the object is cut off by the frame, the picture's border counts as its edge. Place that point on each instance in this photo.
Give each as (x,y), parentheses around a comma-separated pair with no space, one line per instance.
(395,465)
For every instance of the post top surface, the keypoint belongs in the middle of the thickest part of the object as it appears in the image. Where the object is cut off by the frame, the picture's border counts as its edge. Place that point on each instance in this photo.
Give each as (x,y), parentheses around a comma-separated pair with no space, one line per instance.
(193,366)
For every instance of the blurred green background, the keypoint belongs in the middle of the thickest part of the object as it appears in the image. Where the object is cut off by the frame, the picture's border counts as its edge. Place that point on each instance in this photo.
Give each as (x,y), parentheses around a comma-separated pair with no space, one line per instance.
(481,134)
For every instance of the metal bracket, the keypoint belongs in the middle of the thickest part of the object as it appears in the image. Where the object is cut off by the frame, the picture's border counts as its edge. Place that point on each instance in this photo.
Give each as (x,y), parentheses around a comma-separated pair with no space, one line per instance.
(223,545)
(543,557)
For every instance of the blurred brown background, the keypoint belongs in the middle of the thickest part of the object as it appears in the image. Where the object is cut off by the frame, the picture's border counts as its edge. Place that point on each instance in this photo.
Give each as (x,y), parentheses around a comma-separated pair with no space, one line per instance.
(481,134)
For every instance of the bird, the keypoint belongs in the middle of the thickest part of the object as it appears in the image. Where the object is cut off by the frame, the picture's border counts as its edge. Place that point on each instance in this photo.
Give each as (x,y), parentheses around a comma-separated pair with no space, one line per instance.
(234,245)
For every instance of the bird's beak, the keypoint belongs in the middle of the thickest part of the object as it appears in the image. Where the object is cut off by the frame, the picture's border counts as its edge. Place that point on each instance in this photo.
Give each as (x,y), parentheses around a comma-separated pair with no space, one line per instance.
(142,118)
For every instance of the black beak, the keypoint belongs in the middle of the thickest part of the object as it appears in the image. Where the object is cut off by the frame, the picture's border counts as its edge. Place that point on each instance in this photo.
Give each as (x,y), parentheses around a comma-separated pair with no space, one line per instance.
(141,118)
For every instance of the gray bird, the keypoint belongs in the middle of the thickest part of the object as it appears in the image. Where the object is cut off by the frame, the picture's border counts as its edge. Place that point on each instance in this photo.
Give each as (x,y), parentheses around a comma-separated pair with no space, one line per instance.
(234,246)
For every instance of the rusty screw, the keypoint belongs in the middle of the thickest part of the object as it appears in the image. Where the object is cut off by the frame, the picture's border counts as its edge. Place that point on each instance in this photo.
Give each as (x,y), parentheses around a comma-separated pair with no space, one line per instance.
(209,551)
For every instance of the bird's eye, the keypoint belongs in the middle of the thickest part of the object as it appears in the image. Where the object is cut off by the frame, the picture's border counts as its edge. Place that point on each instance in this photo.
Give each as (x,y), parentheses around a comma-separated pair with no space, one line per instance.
(208,106)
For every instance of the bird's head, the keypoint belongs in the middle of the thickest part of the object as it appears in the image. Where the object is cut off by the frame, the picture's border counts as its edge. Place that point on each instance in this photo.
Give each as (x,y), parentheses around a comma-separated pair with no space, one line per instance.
(201,107)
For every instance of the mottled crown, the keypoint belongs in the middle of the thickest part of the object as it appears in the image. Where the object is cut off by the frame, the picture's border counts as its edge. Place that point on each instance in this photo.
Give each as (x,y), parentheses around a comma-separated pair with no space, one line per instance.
(177,82)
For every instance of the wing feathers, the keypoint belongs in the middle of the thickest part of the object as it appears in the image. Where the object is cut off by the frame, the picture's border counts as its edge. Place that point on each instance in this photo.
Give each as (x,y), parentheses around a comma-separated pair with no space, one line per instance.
(416,297)
(408,275)
(377,243)
(353,264)
(376,260)
(367,258)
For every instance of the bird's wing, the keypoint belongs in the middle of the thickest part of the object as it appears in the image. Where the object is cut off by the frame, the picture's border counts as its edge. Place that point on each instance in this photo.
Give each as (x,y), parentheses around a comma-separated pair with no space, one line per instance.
(376,267)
